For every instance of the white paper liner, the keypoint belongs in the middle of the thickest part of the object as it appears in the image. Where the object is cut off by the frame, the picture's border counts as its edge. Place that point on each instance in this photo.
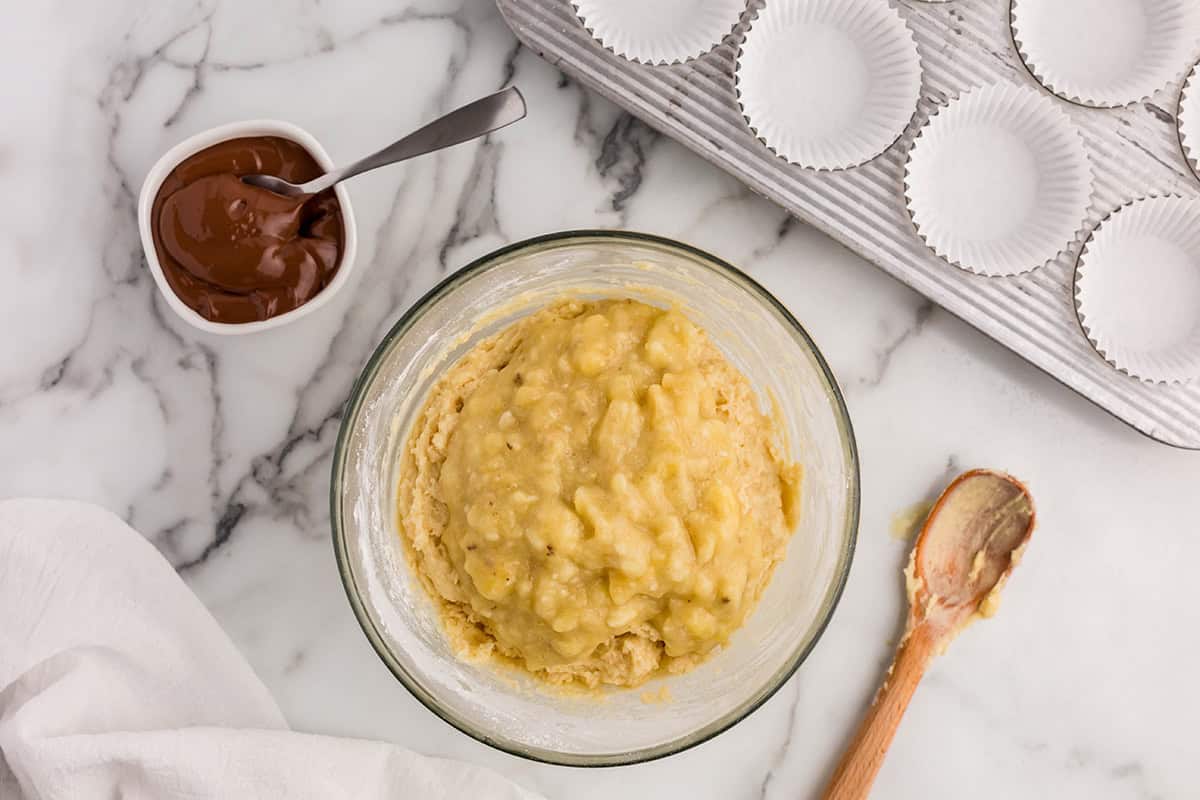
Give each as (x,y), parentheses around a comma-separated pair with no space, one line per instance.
(998,182)
(828,84)
(1137,289)
(659,31)
(1188,119)
(1106,53)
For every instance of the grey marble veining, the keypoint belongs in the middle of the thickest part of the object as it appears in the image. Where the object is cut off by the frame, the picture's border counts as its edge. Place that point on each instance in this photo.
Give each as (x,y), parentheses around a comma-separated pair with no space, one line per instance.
(219,450)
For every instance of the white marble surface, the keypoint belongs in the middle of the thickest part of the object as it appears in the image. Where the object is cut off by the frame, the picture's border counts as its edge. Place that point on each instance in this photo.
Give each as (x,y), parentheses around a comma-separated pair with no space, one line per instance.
(219,449)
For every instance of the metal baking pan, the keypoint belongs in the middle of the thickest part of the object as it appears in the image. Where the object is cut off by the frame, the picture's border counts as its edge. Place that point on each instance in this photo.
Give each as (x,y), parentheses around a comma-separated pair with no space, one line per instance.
(1135,151)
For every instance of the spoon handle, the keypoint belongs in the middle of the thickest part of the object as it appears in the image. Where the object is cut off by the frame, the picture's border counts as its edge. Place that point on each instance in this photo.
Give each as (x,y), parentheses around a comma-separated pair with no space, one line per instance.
(864,755)
(463,124)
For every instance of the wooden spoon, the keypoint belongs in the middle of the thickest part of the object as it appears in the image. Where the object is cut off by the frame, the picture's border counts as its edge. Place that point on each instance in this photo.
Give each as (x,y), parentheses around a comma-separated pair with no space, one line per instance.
(970,542)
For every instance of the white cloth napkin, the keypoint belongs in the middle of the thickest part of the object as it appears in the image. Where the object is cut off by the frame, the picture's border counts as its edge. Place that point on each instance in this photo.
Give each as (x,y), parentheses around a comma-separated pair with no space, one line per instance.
(116,682)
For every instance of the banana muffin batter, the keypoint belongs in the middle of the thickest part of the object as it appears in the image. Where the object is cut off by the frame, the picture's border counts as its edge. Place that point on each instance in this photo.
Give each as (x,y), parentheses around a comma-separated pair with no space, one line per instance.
(595,495)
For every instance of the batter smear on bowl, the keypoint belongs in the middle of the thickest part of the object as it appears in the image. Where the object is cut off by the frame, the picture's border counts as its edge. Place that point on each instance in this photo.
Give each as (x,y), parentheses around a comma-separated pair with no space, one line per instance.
(595,495)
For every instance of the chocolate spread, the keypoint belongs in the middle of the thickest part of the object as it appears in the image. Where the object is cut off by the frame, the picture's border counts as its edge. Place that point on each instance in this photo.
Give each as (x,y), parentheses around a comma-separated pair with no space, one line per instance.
(238,253)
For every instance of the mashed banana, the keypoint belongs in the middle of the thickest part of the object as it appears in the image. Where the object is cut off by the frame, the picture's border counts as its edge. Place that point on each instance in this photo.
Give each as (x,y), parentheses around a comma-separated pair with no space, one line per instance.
(595,495)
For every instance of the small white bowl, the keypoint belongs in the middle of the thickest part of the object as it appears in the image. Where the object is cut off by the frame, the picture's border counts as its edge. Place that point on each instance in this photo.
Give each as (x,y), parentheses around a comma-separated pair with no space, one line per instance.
(236,130)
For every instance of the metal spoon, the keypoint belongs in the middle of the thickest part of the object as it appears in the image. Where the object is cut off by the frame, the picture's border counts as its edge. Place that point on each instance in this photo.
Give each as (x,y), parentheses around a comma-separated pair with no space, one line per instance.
(971,541)
(463,124)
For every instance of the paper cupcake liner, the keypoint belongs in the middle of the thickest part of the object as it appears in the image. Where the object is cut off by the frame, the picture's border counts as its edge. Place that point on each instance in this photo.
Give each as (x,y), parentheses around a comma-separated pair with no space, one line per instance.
(998,182)
(1106,54)
(1137,289)
(659,31)
(828,84)
(1188,119)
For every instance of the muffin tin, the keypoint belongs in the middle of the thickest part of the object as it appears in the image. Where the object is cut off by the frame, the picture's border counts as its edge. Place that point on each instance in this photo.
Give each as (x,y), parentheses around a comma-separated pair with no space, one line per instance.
(1134,152)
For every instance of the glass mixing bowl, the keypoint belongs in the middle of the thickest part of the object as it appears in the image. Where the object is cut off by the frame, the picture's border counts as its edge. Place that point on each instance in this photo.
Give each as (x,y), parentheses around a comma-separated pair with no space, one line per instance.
(511,711)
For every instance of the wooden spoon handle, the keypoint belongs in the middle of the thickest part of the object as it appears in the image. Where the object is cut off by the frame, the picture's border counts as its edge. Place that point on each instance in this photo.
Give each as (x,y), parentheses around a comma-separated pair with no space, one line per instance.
(864,755)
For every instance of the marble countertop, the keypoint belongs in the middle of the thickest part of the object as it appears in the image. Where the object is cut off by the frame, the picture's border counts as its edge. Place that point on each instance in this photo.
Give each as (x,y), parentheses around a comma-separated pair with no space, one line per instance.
(218,449)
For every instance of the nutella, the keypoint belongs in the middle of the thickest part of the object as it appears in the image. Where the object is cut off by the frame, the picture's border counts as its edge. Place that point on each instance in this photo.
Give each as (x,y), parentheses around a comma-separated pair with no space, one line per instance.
(237,253)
